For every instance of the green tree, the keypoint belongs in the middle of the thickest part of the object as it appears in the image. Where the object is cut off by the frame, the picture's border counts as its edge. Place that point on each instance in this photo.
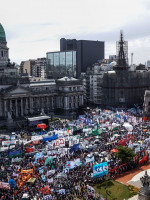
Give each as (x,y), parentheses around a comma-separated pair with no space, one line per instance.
(125,154)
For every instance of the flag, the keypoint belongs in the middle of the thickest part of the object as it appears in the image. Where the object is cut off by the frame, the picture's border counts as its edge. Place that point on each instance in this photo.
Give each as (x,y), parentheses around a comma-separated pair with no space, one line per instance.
(12,183)
(88,159)
(75,147)
(70,164)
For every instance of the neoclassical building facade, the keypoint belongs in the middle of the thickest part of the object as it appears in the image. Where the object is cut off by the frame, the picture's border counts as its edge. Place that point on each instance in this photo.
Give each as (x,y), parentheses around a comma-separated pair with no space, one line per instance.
(34,98)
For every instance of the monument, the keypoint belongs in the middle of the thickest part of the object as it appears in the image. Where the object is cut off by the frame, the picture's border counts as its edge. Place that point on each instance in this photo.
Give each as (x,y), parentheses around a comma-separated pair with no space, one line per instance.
(144,192)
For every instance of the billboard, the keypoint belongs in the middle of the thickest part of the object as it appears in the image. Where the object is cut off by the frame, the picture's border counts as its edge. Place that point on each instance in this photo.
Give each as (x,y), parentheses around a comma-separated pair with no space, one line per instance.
(100,170)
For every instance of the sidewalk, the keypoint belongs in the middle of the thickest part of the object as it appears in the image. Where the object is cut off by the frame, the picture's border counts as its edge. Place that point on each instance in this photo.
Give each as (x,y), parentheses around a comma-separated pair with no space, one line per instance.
(127,176)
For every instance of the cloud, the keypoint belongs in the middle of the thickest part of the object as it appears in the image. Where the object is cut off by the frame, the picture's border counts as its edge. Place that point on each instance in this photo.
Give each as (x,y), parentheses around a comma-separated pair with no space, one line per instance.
(34,27)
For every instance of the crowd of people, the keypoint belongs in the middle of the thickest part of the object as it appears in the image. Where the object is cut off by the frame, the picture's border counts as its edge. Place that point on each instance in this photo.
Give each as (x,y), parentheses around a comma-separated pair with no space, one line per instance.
(57,163)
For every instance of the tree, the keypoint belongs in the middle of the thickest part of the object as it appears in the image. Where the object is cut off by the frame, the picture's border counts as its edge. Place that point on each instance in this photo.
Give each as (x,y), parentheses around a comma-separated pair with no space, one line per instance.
(125,154)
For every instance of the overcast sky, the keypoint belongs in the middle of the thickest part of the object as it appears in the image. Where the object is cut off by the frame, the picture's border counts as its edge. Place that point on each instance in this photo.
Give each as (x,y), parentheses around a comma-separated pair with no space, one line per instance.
(34,27)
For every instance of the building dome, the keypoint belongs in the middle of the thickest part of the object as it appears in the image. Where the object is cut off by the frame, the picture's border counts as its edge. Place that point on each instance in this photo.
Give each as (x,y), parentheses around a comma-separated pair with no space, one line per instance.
(2,34)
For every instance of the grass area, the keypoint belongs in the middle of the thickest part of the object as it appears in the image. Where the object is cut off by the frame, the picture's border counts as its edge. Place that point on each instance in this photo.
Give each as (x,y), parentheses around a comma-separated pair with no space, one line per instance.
(115,191)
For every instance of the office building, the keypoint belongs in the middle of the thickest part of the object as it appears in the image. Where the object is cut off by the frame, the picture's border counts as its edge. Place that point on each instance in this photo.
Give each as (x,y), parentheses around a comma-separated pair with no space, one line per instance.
(87,52)
(148,63)
(61,63)
(38,69)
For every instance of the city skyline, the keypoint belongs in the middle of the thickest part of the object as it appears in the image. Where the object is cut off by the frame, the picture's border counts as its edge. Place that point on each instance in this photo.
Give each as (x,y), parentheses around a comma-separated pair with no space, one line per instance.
(35,27)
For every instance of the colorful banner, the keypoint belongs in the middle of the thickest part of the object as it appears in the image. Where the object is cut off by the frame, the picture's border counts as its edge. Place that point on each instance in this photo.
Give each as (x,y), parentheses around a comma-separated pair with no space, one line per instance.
(4,185)
(14,153)
(100,170)
(54,137)
(28,171)
(36,138)
(8,142)
(73,140)
(60,142)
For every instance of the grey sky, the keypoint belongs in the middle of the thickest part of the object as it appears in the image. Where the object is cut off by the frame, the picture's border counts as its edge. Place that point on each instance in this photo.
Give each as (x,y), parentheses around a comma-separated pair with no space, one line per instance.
(34,27)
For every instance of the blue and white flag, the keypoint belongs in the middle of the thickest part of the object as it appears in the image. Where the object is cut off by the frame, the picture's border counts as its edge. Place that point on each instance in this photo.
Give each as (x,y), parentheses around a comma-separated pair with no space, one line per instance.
(88,159)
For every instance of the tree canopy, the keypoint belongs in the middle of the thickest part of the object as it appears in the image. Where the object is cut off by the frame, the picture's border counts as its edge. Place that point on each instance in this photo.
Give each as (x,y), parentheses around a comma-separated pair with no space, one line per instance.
(125,154)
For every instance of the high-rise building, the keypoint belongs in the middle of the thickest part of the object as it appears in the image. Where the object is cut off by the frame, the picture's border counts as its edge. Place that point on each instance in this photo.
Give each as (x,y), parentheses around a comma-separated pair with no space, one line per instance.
(26,67)
(148,63)
(39,68)
(61,63)
(87,52)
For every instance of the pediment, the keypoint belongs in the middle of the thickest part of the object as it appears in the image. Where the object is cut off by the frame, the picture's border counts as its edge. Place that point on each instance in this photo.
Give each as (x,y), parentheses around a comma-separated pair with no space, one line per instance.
(18,90)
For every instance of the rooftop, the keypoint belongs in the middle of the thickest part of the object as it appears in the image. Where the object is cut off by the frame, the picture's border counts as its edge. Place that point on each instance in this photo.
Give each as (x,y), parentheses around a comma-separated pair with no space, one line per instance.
(2,34)
(67,79)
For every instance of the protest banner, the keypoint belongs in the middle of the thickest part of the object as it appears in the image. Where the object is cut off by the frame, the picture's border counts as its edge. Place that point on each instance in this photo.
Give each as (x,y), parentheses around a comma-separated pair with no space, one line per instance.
(8,142)
(50,138)
(60,142)
(4,185)
(14,153)
(28,171)
(36,137)
(100,170)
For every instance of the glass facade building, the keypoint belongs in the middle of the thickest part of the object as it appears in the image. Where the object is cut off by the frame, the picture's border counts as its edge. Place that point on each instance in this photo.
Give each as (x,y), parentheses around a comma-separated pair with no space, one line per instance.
(61,63)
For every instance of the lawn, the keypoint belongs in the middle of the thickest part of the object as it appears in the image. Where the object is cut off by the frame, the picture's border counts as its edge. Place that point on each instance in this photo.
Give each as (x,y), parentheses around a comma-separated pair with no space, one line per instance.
(113,190)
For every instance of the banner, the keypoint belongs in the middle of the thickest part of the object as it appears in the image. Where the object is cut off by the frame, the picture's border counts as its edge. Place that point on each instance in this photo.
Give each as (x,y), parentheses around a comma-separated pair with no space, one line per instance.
(73,140)
(60,142)
(8,142)
(54,137)
(28,171)
(90,190)
(36,138)
(100,170)
(4,185)
(14,153)
(36,142)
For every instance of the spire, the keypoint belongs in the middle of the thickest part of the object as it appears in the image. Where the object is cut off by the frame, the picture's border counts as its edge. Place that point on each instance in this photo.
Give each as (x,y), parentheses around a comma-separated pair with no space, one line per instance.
(122,53)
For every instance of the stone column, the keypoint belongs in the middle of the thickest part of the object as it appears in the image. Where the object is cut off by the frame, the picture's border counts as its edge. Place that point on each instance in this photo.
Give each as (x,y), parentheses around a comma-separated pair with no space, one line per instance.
(16,107)
(5,108)
(47,102)
(82,100)
(52,103)
(1,112)
(26,106)
(22,107)
(31,105)
(10,105)
(66,103)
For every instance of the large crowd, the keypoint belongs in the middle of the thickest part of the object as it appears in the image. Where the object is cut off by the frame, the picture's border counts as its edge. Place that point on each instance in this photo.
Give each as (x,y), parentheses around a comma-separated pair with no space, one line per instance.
(57,163)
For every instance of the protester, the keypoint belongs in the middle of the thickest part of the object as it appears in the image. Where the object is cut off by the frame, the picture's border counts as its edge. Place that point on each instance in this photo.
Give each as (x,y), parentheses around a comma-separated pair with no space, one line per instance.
(62,163)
